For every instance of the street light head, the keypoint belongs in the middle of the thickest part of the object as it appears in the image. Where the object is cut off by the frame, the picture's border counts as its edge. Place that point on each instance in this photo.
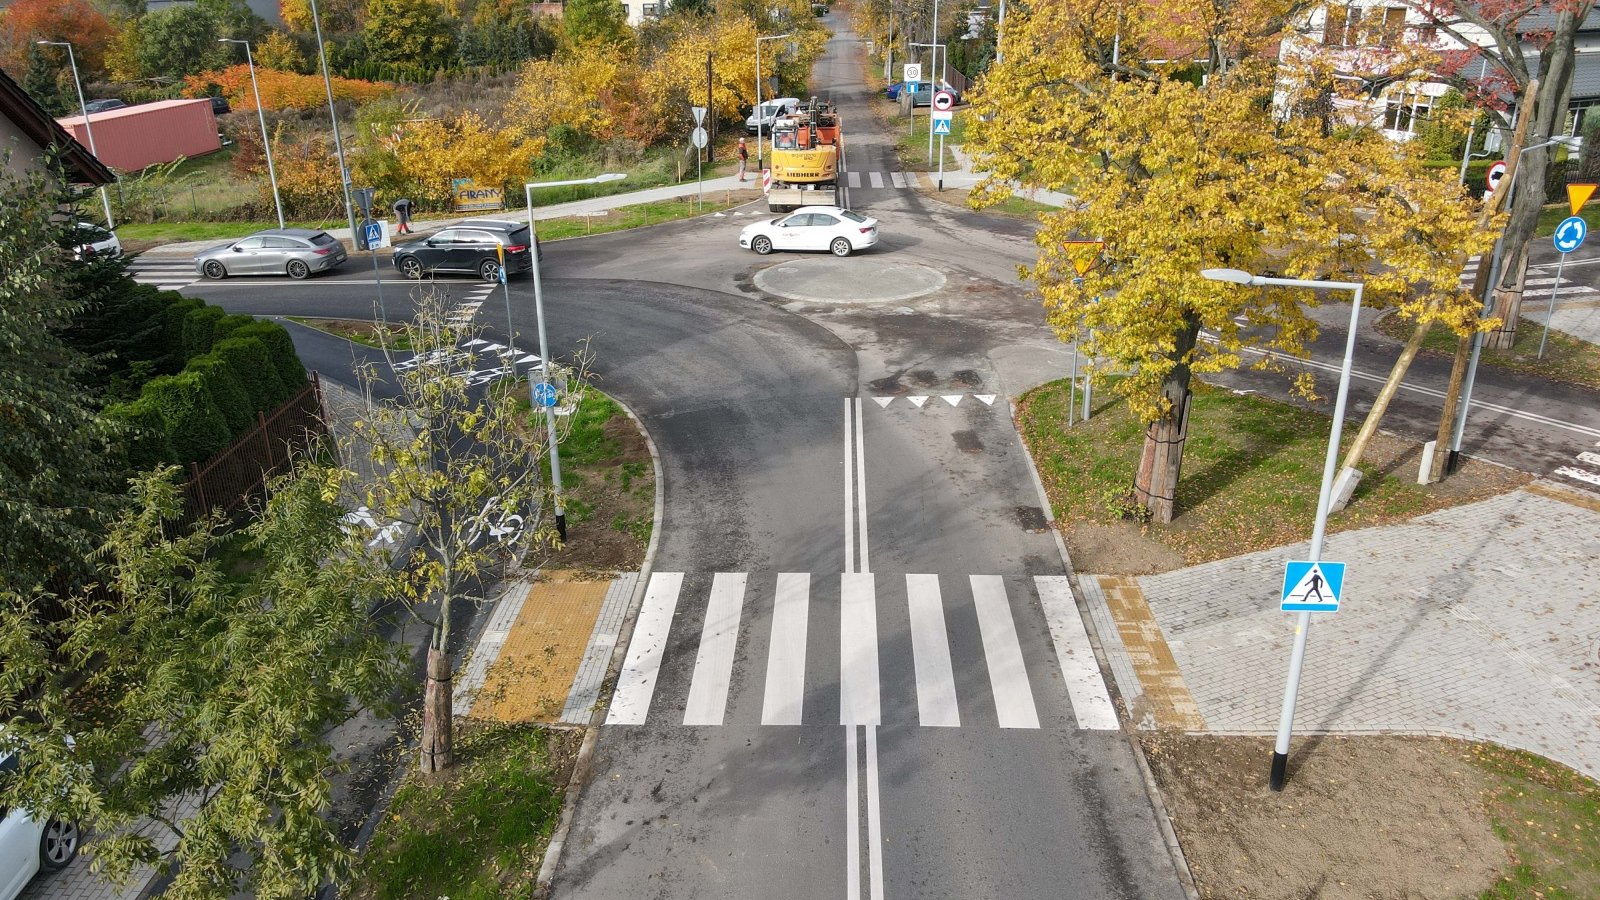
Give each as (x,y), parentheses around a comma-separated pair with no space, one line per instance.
(1232,276)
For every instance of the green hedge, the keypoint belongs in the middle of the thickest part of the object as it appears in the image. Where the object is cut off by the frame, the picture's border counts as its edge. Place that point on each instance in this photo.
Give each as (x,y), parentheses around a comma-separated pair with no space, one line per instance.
(145,439)
(173,318)
(200,331)
(281,347)
(237,406)
(251,362)
(195,427)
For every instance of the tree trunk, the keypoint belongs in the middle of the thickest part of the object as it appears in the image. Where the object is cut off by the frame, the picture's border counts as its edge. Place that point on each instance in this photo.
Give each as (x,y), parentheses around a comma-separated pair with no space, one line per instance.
(438,718)
(1397,374)
(1155,485)
(1447,415)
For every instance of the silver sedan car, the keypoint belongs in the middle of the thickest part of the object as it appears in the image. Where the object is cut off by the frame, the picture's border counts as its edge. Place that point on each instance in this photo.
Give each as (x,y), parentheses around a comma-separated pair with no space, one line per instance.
(296,252)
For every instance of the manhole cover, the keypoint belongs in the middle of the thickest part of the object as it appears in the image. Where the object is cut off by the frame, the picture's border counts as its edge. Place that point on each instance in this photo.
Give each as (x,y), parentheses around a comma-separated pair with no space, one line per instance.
(864,279)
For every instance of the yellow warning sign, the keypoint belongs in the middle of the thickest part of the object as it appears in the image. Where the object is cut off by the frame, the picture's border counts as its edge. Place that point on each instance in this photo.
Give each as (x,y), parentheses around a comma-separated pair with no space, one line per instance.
(1083,254)
(1578,195)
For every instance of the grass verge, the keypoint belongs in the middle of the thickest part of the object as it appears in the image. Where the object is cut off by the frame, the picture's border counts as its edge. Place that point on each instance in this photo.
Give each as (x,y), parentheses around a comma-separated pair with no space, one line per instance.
(641,214)
(357,330)
(1252,468)
(1551,216)
(911,145)
(1565,357)
(477,831)
(1548,816)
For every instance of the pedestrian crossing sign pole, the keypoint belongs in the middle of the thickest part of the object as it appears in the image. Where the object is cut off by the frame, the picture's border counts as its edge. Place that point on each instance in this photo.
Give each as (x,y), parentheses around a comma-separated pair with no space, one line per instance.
(1312,586)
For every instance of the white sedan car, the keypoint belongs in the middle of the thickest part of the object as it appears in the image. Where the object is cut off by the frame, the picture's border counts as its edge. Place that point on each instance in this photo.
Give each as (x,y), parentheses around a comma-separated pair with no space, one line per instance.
(28,845)
(830,228)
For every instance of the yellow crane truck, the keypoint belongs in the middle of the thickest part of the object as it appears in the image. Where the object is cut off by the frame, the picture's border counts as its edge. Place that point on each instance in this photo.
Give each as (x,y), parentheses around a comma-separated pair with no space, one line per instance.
(807,147)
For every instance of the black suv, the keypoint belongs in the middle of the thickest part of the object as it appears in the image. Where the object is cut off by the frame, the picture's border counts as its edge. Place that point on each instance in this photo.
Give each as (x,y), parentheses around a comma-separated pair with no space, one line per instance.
(472,246)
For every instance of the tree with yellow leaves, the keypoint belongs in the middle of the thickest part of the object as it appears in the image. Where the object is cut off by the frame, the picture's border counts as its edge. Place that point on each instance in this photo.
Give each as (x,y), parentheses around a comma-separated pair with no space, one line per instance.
(1187,165)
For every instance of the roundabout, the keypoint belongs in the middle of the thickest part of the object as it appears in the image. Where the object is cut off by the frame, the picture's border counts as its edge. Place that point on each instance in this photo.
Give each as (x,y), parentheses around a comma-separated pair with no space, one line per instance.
(859,280)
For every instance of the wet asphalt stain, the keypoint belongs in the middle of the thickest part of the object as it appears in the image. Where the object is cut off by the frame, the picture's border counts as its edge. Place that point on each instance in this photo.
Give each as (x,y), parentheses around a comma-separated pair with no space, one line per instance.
(1032,518)
(968,441)
(969,378)
(889,385)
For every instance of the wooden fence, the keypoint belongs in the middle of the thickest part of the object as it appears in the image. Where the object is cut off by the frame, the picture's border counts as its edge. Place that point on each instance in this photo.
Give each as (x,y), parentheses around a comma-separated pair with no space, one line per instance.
(231,480)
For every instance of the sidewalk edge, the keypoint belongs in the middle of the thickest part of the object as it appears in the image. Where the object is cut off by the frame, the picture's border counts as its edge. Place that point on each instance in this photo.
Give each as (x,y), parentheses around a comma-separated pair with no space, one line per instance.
(1169,836)
(591,737)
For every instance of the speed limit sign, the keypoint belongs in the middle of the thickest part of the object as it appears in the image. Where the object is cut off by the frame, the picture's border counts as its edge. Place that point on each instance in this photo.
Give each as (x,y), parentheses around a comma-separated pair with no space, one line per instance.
(943,101)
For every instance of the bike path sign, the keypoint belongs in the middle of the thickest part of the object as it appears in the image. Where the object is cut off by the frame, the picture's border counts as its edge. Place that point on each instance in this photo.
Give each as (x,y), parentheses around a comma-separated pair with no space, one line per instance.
(1311,586)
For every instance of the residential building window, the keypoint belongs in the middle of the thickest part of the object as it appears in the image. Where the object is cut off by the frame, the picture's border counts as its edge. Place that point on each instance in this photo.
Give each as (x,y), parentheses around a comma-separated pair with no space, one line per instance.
(1355,26)
(650,11)
(1582,114)
(1343,26)
(1406,110)
(1391,28)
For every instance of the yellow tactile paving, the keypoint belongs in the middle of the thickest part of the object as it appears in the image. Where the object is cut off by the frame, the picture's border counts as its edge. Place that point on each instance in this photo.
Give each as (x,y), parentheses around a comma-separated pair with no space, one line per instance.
(1165,694)
(530,679)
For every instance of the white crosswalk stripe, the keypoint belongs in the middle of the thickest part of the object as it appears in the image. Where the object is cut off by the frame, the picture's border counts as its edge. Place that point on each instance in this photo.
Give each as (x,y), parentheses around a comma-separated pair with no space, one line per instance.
(876,179)
(853,179)
(167,274)
(940,651)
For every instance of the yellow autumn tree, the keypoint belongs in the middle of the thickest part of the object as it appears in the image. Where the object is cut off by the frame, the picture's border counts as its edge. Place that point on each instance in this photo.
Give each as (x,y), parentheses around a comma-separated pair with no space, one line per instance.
(1184,166)
(403,153)
(578,88)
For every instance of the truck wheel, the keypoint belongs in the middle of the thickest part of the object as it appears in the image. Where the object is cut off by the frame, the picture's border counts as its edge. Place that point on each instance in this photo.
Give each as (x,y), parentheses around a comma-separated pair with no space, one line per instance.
(841,247)
(761,244)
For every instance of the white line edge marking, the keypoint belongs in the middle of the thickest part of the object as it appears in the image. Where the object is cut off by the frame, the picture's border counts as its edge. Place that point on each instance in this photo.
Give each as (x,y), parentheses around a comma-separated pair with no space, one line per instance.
(849,492)
(1086,688)
(874,821)
(861,489)
(1008,674)
(784,698)
(852,819)
(713,664)
(859,672)
(636,684)
(930,653)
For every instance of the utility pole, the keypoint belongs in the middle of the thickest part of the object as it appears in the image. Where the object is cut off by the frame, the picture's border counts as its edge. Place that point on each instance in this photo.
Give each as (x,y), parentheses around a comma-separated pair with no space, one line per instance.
(338,142)
(711,113)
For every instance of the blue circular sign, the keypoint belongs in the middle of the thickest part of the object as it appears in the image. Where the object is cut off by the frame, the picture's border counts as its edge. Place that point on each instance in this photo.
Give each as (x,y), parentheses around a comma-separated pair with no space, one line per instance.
(544,394)
(1570,233)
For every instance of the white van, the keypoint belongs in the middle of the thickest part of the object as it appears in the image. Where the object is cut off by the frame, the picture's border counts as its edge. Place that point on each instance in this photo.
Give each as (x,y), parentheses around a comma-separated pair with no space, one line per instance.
(762,118)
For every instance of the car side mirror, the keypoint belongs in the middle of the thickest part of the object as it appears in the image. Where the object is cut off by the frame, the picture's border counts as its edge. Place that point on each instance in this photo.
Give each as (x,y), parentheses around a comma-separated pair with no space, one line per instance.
(237,249)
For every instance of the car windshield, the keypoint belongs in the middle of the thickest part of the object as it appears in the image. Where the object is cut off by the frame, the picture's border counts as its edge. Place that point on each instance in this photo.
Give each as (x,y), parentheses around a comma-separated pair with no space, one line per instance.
(854,217)
(323,239)
(92,234)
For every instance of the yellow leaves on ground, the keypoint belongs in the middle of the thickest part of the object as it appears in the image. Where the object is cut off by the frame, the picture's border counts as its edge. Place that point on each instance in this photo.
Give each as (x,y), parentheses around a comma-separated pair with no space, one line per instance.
(1182,170)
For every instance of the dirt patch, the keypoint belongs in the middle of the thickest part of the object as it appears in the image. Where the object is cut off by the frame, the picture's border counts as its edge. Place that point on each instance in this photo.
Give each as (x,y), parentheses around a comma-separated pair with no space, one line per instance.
(611,507)
(1361,817)
(360,331)
(1117,548)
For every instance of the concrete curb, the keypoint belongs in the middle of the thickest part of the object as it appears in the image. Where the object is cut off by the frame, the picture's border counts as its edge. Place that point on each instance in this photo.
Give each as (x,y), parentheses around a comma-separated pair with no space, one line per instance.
(1169,836)
(591,737)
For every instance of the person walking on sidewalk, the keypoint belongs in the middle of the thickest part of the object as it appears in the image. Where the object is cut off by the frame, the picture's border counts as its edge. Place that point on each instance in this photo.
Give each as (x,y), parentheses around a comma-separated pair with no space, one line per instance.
(744,158)
(402,215)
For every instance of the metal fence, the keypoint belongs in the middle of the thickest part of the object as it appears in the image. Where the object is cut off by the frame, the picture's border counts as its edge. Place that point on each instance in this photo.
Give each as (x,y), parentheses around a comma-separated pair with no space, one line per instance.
(232,479)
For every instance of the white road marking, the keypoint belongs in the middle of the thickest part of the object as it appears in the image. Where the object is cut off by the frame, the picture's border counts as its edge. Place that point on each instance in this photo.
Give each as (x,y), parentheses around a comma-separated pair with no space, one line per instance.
(930,653)
(637,682)
(898,179)
(858,651)
(917,401)
(852,818)
(1008,677)
(1091,703)
(786,653)
(853,179)
(874,820)
(861,490)
(849,490)
(951,399)
(713,664)
(1580,474)
(883,402)
(988,399)
(875,179)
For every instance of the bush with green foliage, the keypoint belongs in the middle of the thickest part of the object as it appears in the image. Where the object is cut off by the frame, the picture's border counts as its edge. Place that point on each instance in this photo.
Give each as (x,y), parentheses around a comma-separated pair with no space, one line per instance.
(252,363)
(281,348)
(195,427)
(228,393)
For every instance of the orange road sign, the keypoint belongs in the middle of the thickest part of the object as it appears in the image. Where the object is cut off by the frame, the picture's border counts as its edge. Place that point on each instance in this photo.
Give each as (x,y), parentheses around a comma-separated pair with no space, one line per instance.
(1084,255)
(1578,195)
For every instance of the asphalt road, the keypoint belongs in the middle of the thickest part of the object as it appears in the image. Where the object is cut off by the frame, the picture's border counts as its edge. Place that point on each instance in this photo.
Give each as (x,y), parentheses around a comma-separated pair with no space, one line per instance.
(826,442)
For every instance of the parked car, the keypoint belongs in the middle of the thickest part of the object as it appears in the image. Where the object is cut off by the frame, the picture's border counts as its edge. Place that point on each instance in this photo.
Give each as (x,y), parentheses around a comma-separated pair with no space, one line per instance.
(830,228)
(760,120)
(95,106)
(28,845)
(219,105)
(296,252)
(922,92)
(92,240)
(473,246)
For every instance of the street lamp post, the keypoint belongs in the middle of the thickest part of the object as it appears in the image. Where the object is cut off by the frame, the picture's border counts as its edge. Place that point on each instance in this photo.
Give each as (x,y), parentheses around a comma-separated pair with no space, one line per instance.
(544,344)
(105,198)
(934,48)
(338,142)
(266,140)
(757,110)
(1492,285)
(1280,750)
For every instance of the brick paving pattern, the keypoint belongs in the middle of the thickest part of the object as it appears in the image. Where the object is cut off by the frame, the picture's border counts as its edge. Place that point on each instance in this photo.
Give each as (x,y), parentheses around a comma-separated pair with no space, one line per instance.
(585,692)
(541,652)
(1162,695)
(1480,622)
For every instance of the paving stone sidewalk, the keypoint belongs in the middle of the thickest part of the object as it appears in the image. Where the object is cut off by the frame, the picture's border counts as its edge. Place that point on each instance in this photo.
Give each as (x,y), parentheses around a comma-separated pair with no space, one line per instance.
(1479,622)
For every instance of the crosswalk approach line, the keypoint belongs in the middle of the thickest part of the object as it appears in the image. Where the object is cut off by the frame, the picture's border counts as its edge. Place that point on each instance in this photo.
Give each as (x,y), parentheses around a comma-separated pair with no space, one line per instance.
(784,696)
(713,665)
(636,685)
(930,652)
(858,651)
(1008,676)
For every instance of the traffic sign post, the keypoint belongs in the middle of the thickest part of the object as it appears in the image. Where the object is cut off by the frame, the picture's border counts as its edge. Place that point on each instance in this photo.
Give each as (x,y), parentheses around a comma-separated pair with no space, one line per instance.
(1568,237)
(941,116)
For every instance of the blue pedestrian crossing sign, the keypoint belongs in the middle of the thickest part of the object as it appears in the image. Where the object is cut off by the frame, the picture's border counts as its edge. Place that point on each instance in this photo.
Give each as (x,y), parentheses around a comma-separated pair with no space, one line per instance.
(544,394)
(1312,586)
(941,124)
(375,235)
(1570,234)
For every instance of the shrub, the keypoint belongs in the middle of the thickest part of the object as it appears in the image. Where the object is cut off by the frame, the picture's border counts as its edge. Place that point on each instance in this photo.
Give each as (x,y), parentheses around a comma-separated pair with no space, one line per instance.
(145,437)
(251,362)
(200,331)
(227,325)
(172,320)
(194,426)
(227,391)
(281,348)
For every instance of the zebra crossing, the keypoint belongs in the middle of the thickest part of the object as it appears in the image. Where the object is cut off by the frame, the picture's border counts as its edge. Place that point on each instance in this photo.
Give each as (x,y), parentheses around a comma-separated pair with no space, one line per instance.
(1586,470)
(167,274)
(888,180)
(859,648)
(1538,283)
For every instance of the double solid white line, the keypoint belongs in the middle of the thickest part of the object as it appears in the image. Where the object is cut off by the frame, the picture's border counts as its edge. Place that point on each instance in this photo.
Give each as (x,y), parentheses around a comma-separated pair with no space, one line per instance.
(859,703)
